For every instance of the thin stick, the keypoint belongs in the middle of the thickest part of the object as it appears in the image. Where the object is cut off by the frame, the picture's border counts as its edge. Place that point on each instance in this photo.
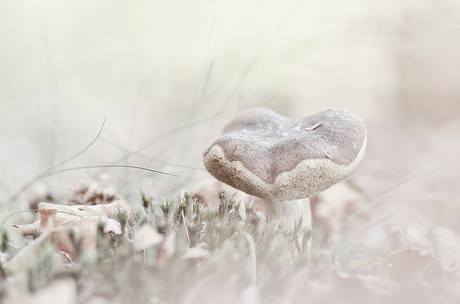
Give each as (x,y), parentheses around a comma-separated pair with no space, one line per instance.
(160,137)
(81,151)
(49,171)
(14,213)
(273,37)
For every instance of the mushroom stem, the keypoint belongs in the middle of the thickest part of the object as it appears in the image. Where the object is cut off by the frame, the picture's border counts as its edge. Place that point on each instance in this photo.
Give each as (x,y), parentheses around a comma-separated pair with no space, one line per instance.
(289,211)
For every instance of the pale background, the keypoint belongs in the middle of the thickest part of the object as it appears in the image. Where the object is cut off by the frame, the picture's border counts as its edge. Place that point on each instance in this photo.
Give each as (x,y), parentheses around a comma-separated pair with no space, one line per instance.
(151,67)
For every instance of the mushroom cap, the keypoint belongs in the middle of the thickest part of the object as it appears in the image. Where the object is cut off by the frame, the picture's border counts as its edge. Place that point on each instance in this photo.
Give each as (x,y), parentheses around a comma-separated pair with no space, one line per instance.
(273,157)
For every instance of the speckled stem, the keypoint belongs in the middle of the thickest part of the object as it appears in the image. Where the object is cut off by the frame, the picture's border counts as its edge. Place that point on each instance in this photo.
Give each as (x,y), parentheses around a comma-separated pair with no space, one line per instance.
(289,211)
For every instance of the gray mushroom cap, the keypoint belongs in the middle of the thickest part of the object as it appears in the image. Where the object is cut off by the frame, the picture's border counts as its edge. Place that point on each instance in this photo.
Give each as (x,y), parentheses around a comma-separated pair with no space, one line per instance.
(273,157)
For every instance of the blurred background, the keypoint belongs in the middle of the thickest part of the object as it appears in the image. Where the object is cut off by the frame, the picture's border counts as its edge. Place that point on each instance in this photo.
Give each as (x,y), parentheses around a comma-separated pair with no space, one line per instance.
(168,75)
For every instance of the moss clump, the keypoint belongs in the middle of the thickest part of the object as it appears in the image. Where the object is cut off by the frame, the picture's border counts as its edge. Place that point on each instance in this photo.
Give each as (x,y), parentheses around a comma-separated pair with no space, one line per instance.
(241,249)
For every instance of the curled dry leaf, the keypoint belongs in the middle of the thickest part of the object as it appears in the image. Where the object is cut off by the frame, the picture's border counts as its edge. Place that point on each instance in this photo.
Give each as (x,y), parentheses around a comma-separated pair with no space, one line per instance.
(111,210)
(79,221)
(408,266)
(146,237)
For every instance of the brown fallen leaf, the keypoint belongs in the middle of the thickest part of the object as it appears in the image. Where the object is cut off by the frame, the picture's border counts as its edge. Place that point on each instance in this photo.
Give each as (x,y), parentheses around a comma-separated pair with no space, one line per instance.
(73,229)
(57,228)
(22,259)
(111,210)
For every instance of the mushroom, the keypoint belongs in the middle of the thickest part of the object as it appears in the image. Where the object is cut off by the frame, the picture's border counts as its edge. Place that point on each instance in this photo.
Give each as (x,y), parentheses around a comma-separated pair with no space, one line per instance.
(286,161)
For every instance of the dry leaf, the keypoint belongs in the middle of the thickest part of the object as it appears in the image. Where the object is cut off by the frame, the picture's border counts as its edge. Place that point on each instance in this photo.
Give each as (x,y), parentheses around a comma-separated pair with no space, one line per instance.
(59,222)
(146,237)
(408,266)
(84,231)
(111,210)
(22,259)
